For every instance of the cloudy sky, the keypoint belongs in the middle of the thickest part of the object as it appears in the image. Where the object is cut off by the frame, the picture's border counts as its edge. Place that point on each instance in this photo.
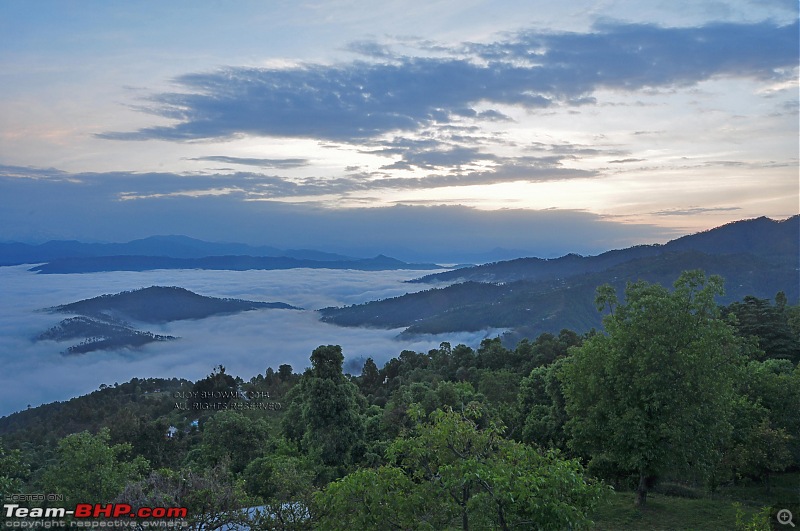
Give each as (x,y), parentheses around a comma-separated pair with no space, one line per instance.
(421,129)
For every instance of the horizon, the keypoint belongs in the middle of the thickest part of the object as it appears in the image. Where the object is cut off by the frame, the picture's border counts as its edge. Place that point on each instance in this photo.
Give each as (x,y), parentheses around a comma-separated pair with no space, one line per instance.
(496,254)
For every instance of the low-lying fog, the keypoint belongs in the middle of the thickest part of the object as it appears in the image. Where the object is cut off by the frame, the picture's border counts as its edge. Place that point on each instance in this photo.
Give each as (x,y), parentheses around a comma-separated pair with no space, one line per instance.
(246,344)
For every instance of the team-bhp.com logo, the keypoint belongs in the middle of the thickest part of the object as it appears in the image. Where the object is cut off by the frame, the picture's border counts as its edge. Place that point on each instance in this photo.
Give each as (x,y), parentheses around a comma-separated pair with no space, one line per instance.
(84,511)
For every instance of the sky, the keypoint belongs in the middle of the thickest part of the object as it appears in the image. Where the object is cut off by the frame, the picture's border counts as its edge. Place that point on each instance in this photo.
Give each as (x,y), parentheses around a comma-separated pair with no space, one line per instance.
(440,130)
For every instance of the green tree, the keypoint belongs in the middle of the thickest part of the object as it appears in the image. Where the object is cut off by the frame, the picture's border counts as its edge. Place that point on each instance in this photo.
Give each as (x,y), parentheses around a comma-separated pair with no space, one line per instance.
(769,324)
(285,486)
(232,436)
(451,474)
(542,409)
(767,423)
(324,416)
(14,471)
(655,392)
(88,470)
(216,388)
(370,379)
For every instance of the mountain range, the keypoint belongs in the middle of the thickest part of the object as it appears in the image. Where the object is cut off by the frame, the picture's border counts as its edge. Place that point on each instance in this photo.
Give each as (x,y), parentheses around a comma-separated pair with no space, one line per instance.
(14,253)
(181,252)
(528,296)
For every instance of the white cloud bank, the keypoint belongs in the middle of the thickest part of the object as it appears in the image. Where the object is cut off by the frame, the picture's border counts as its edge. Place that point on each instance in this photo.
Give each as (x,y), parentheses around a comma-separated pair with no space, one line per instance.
(36,373)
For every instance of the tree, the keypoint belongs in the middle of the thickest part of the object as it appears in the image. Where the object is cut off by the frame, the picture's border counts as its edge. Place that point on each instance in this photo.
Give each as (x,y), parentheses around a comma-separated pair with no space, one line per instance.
(370,379)
(655,392)
(285,485)
(541,403)
(769,324)
(13,470)
(324,415)
(212,497)
(91,471)
(285,372)
(216,388)
(453,474)
(771,394)
(232,436)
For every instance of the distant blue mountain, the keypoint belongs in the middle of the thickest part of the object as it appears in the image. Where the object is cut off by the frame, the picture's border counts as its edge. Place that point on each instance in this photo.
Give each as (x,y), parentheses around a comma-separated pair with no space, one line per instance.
(182,252)
(94,264)
(166,246)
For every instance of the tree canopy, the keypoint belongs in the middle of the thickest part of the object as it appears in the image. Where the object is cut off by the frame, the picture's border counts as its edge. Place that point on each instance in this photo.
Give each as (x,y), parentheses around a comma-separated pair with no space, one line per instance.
(453,474)
(655,392)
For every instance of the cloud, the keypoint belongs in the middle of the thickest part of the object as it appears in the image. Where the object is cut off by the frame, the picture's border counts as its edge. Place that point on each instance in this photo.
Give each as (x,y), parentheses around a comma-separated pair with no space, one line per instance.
(247,343)
(262,163)
(91,207)
(365,99)
(450,165)
(691,211)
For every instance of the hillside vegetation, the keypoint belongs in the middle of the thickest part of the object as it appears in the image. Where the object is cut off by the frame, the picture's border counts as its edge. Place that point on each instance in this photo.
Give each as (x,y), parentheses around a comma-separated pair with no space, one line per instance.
(530,296)
(679,414)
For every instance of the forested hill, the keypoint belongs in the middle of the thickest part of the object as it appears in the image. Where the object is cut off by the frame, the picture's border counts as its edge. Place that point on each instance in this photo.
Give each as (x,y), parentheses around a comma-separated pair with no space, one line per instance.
(160,304)
(532,296)
(102,322)
(149,399)
(775,241)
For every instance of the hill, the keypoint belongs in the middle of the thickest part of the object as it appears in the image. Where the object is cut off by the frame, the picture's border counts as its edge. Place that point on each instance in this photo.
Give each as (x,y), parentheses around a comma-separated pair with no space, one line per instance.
(530,296)
(159,304)
(762,237)
(102,322)
(149,398)
(99,334)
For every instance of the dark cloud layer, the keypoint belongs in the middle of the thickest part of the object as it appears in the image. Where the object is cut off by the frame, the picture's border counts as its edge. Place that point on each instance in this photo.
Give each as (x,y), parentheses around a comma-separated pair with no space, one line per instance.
(81,206)
(691,211)
(445,165)
(365,99)
(261,163)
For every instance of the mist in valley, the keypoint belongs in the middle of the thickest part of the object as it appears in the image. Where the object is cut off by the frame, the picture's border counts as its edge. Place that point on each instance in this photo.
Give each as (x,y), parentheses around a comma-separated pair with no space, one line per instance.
(35,372)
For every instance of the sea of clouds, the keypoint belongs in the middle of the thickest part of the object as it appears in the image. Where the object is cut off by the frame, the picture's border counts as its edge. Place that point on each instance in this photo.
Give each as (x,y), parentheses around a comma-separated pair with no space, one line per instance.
(246,344)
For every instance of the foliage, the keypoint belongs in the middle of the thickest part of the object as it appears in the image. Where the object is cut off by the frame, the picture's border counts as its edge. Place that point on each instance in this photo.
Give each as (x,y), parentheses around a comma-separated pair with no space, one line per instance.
(88,470)
(543,409)
(285,485)
(452,474)
(769,324)
(654,393)
(212,497)
(766,421)
(760,521)
(214,391)
(324,416)
(13,471)
(231,436)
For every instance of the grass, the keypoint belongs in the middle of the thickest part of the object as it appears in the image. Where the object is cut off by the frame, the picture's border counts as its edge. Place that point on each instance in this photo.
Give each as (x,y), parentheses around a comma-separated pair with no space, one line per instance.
(672,513)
